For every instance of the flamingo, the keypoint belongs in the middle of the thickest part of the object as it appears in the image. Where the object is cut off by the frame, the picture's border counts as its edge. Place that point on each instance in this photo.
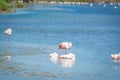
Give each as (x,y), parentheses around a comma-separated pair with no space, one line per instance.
(8,32)
(115,7)
(7,57)
(54,54)
(65,45)
(111,3)
(115,56)
(54,57)
(104,5)
(67,56)
(91,4)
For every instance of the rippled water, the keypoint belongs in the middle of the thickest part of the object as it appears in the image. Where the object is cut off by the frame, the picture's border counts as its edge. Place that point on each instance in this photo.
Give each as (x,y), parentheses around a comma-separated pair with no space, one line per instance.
(37,31)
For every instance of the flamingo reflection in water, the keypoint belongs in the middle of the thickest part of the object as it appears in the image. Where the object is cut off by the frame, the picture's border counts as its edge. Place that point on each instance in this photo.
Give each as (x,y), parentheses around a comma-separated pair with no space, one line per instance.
(64,62)
(68,63)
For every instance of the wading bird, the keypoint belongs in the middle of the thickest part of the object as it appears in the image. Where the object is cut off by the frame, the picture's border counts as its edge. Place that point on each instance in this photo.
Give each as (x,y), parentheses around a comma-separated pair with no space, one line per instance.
(8,32)
(65,45)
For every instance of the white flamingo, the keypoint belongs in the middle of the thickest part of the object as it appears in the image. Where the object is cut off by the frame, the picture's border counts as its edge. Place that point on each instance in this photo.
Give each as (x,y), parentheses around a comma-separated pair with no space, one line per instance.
(91,4)
(104,5)
(67,56)
(111,3)
(8,32)
(7,57)
(115,7)
(54,54)
(115,56)
(54,57)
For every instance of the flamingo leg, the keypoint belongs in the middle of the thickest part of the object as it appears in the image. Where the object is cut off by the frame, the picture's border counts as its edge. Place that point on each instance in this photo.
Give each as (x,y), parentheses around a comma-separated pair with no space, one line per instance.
(65,51)
(8,42)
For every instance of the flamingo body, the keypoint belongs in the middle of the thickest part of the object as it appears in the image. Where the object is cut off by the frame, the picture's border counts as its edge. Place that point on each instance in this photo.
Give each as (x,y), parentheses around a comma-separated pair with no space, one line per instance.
(115,7)
(54,57)
(8,57)
(67,56)
(104,5)
(91,4)
(115,56)
(54,54)
(8,31)
(65,45)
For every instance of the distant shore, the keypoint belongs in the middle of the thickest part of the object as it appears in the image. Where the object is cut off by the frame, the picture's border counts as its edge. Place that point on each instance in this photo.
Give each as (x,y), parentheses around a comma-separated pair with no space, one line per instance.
(73,2)
(22,4)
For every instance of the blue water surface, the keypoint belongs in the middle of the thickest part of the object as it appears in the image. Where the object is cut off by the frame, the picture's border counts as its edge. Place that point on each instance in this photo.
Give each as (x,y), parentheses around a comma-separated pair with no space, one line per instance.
(38,30)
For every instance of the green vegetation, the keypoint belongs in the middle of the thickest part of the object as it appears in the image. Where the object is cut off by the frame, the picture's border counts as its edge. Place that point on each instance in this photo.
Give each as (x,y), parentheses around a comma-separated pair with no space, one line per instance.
(20,5)
(8,5)
(4,6)
(8,1)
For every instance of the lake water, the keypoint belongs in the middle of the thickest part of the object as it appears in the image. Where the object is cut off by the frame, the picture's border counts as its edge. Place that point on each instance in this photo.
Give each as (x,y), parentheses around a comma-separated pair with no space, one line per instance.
(38,30)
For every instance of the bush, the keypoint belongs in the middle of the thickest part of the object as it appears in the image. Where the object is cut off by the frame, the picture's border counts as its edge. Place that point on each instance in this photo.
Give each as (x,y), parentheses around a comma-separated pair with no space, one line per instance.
(19,5)
(4,6)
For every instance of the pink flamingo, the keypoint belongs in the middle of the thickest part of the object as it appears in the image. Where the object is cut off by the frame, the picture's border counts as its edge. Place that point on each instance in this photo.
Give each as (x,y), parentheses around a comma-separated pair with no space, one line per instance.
(65,45)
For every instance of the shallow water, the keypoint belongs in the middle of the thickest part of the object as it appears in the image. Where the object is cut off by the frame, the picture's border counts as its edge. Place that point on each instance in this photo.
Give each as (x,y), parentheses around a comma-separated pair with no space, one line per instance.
(37,31)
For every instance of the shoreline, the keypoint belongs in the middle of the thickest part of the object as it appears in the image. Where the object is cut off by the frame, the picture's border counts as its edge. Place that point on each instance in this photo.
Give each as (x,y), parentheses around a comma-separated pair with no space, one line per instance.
(53,2)
(61,3)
